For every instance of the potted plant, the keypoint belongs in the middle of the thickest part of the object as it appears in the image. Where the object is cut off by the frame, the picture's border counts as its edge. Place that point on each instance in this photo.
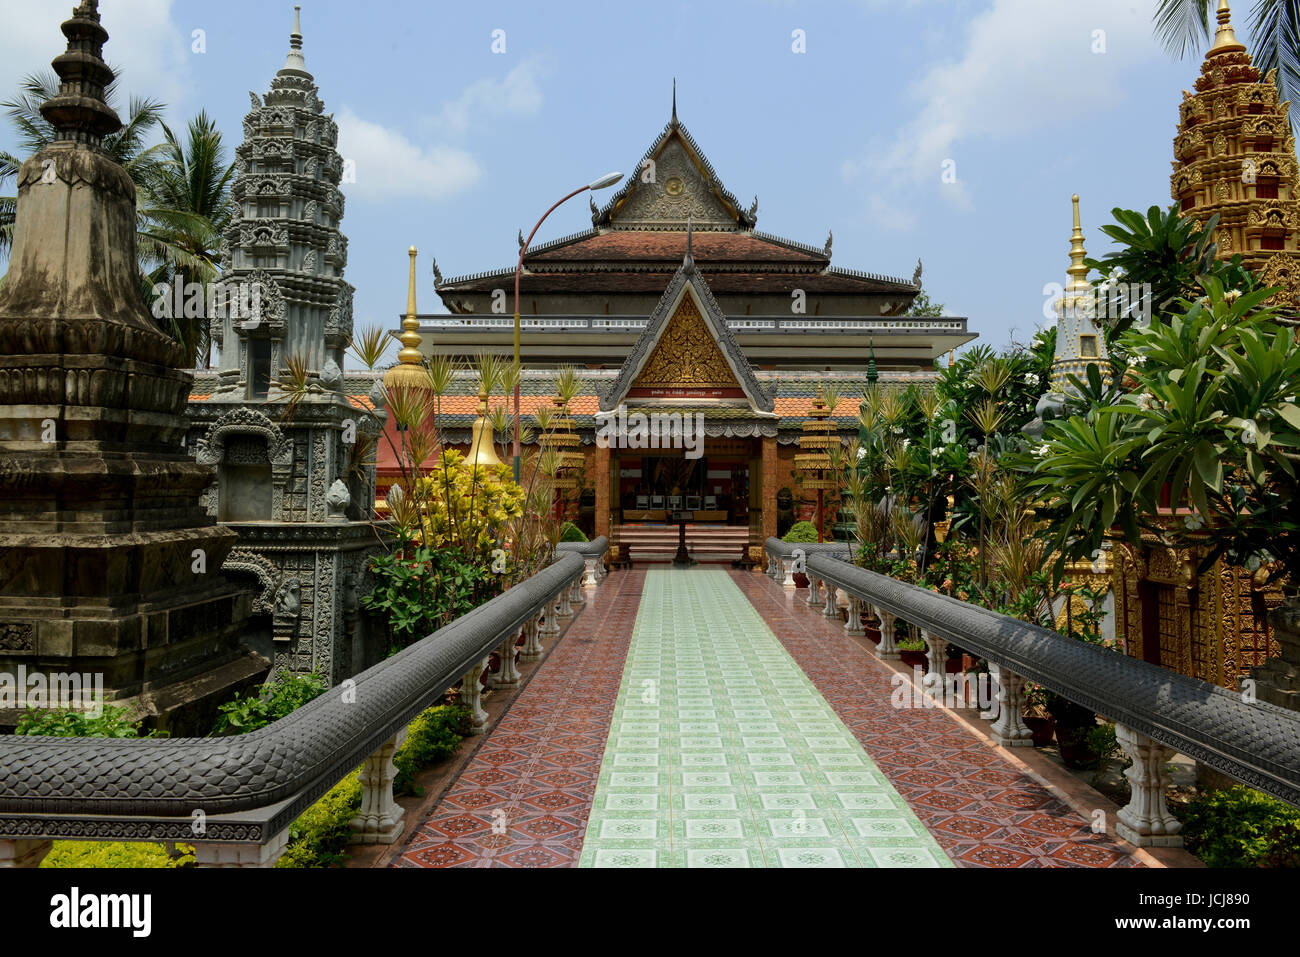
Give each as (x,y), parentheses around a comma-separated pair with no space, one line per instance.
(911,650)
(1074,724)
(1036,717)
(801,533)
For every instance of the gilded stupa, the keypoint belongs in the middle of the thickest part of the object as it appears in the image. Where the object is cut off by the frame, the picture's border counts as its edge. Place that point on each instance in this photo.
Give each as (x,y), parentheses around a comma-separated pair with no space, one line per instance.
(1234,155)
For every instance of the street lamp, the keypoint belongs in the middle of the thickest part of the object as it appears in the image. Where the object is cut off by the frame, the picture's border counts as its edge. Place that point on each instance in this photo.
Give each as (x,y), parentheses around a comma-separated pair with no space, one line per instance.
(609,179)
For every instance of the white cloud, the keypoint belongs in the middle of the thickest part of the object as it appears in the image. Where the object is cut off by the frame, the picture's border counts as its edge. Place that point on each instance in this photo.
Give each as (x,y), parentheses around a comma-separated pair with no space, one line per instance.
(1027,67)
(147,46)
(518,93)
(389,166)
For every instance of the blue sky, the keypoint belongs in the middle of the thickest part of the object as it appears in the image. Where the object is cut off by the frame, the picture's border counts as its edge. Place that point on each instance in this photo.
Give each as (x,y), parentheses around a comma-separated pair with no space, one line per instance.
(457,147)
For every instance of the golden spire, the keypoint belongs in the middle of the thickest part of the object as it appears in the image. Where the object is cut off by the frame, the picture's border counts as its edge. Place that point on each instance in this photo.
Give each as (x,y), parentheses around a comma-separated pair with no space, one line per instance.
(1225,40)
(409,371)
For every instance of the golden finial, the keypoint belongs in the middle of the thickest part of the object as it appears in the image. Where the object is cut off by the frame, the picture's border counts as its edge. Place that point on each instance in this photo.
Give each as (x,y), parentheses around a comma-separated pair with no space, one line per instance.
(1078,271)
(408,372)
(1225,40)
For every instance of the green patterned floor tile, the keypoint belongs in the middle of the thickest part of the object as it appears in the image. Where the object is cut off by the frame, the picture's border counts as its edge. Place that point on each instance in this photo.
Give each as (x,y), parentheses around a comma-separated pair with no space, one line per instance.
(723,754)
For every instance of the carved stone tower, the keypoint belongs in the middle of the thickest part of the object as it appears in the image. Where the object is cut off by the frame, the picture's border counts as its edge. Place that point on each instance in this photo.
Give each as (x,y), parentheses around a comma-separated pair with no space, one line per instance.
(1234,155)
(108,565)
(295,476)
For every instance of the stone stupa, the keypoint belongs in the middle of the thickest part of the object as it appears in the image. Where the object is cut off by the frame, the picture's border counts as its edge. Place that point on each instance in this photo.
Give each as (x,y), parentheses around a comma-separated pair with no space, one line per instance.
(108,563)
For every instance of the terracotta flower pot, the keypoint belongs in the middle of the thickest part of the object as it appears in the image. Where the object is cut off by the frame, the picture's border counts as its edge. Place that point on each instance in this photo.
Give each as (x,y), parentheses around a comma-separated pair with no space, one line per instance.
(914,658)
(1043,729)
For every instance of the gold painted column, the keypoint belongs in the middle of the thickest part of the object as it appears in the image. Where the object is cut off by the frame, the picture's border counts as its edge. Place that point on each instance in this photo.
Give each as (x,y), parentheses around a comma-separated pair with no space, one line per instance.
(602,490)
(770,483)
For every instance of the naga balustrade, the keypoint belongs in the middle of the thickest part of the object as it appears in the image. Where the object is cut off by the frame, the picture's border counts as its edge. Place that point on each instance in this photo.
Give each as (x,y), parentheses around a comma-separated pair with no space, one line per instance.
(1156,712)
(785,559)
(234,798)
(593,553)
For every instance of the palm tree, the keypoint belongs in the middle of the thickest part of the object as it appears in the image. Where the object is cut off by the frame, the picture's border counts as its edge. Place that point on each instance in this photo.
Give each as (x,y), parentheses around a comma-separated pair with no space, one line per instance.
(1184,26)
(187,187)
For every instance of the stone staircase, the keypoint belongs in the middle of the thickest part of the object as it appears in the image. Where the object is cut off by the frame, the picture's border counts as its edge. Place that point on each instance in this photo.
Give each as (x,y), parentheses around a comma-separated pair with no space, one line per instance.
(658,543)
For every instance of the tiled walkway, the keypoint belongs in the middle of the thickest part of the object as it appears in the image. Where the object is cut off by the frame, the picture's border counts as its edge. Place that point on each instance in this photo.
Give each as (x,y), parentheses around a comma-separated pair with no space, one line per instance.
(745,730)
(723,754)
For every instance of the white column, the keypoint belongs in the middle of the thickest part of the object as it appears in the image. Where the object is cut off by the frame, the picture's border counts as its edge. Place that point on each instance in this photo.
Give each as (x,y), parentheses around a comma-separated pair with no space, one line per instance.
(23,853)
(590,569)
(853,624)
(471,696)
(532,648)
(887,649)
(380,820)
(1008,728)
(787,568)
(241,855)
(562,607)
(1146,820)
(507,675)
(575,593)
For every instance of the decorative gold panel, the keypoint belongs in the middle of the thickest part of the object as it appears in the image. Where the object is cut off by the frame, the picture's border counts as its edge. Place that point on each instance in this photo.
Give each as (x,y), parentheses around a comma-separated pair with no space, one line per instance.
(686,356)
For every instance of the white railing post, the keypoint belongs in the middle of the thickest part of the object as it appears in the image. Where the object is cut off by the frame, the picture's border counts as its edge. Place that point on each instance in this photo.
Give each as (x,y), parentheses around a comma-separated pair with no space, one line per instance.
(787,569)
(507,675)
(1009,728)
(937,656)
(832,609)
(576,596)
(550,624)
(209,854)
(23,853)
(814,589)
(887,649)
(532,648)
(853,624)
(562,607)
(381,819)
(471,696)
(1146,820)
(589,568)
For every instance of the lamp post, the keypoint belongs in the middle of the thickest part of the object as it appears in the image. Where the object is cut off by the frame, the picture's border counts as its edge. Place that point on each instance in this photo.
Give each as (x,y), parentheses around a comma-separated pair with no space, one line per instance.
(609,179)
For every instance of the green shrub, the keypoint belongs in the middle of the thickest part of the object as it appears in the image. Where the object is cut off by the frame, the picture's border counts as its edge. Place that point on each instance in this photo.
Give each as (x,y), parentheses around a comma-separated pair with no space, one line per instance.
(433,736)
(1241,827)
(113,722)
(801,532)
(81,854)
(272,701)
(320,835)
(572,533)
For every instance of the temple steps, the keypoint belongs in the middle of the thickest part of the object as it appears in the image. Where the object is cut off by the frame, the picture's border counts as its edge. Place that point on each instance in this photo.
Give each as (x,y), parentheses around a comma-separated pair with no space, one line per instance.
(658,543)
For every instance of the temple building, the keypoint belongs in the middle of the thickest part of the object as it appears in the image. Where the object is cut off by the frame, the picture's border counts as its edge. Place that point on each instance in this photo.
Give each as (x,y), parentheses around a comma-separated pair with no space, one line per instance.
(1235,156)
(674,304)
(293,472)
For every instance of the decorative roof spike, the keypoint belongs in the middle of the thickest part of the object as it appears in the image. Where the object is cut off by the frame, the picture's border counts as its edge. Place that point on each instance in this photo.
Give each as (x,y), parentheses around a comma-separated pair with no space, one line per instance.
(688,261)
(674,121)
(79,112)
(830,237)
(873,374)
(1225,40)
(294,62)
